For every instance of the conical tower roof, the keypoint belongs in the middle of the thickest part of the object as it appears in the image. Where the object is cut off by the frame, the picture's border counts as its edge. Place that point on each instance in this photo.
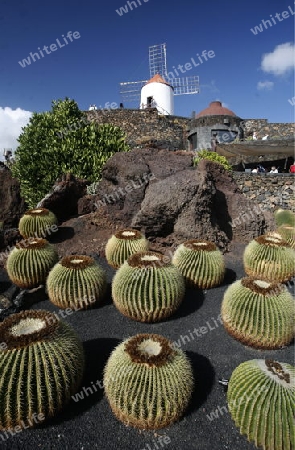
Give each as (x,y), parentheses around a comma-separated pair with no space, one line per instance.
(158,79)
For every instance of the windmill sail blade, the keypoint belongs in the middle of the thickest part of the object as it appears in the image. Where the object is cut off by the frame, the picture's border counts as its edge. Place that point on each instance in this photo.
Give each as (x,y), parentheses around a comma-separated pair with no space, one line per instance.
(130,90)
(157,60)
(185,85)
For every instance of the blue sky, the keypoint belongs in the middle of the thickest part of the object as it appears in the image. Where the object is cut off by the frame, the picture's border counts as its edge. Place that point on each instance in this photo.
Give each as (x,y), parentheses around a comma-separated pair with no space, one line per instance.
(114,48)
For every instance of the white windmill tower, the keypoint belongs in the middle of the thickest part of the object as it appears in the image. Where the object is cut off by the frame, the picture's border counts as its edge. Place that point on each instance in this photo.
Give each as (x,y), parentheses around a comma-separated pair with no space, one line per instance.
(159,91)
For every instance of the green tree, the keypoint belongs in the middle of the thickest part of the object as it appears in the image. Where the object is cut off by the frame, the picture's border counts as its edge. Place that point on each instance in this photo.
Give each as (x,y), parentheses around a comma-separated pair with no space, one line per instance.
(61,141)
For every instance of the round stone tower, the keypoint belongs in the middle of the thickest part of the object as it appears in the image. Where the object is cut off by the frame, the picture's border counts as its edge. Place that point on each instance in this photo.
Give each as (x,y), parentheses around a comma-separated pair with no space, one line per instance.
(157,93)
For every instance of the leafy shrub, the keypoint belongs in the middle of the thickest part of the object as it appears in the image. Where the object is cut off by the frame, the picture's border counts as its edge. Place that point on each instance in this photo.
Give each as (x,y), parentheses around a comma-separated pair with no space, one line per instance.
(62,141)
(212,156)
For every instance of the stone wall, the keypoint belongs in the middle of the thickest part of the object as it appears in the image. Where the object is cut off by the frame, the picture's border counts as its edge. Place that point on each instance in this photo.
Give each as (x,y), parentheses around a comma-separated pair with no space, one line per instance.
(172,132)
(270,191)
(143,126)
(274,130)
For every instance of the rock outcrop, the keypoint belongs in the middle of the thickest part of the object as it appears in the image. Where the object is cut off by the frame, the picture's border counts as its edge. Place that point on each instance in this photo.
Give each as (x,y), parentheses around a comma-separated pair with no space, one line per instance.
(63,199)
(12,205)
(163,195)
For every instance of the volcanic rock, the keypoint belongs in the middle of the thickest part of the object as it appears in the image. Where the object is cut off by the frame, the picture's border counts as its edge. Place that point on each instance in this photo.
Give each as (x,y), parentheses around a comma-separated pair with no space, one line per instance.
(160,193)
(63,199)
(12,205)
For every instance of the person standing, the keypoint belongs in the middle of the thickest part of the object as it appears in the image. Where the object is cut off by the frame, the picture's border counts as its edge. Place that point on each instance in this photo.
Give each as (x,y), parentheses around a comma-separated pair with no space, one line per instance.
(214,142)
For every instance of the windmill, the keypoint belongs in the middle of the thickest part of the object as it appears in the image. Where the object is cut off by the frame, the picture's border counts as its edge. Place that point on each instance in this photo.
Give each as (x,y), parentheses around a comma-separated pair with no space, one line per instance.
(160,89)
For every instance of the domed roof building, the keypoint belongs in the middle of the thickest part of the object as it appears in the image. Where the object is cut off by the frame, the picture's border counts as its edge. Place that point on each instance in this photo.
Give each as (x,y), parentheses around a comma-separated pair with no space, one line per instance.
(214,123)
(216,109)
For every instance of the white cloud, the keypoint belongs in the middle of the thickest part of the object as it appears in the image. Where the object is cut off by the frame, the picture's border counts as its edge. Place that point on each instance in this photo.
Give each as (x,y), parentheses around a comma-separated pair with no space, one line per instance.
(267,85)
(11,123)
(280,61)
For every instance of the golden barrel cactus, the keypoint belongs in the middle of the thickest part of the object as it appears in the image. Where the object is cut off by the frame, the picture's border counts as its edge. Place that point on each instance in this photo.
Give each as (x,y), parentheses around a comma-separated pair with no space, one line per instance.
(124,244)
(76,282)
(148,287)
(261,401)
(38,222)
(147,382)
(200,262)
(269,257)
(30,262)
(41,366)
(259,313)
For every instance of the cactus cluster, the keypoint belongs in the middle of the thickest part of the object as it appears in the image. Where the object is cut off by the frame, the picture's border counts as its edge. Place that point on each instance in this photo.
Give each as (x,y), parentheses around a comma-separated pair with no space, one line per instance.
(29,263)
(148,384)
(269,257)
(39,222)
(200,262)
(258,313)
(124,244)
(284,217)
(40,368)
(148,287)
(261,398)
(76,282)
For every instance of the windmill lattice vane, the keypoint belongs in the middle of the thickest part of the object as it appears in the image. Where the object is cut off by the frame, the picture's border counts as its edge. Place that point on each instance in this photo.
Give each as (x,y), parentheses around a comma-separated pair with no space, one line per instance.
(130,90)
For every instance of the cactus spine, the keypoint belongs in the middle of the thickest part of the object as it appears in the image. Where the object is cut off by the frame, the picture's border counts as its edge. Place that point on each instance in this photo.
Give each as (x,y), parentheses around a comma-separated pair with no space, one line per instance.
(39,222)
(124,244)
(200,262)
(258,313)
(284,217)
(287,233)
(40,368)
(76,282)
(148,288)
(29,263)
(148,383)
(269,257)
(261,399)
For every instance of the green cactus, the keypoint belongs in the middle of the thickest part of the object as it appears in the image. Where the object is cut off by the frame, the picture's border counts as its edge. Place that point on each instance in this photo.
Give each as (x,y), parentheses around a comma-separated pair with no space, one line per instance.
(148,288)
(38,222)
(284,217)
(200,262)
(29,263)
(76,282)
(258,313)
(261,400)
(269,257)
(148,384)
(124,244)
(287,233)
(40,368)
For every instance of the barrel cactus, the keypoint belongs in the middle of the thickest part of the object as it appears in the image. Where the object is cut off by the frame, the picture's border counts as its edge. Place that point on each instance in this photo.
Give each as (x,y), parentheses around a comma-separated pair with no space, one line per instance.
(124,244)
(41,366)
(200,262)
(148,287)
(76,282)
(29,263)
(287,233)
(284,217)
(261,399)
(269,257)
(39,222)
(148,384)
(258,313)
